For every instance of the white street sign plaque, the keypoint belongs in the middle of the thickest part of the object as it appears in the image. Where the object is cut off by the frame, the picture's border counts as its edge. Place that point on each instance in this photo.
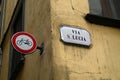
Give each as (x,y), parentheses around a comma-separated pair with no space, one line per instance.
(75,35)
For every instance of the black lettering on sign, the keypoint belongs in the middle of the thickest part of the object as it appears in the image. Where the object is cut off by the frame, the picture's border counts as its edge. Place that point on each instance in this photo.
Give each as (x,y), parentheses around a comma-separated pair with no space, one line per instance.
(81,38)
(68,36)
(76,37)
(75,32)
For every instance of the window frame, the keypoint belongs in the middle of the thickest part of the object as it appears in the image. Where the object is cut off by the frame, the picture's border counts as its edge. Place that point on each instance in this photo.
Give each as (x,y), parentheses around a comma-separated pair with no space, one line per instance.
(105,15)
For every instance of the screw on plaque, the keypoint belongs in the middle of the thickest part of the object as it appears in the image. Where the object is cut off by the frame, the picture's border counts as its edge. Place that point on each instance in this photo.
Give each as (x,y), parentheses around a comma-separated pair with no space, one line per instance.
(41,48)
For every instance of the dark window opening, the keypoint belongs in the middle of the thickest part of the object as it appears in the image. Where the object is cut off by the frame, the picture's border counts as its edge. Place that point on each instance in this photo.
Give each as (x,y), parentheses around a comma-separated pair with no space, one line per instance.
(104,12)
(0,20)
(1,10)
(17,25)
(1,6)
(0,59)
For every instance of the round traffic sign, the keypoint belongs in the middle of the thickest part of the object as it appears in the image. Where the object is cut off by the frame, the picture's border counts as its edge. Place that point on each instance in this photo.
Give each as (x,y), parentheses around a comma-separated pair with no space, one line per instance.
(24,42)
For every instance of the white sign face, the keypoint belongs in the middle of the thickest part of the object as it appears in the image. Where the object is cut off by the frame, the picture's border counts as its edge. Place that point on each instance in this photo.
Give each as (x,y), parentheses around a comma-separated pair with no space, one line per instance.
(75,35)
(24,42)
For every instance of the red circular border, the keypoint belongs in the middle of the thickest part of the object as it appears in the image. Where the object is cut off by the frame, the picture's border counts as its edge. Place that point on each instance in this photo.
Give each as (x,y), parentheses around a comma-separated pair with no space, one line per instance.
(21,50)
